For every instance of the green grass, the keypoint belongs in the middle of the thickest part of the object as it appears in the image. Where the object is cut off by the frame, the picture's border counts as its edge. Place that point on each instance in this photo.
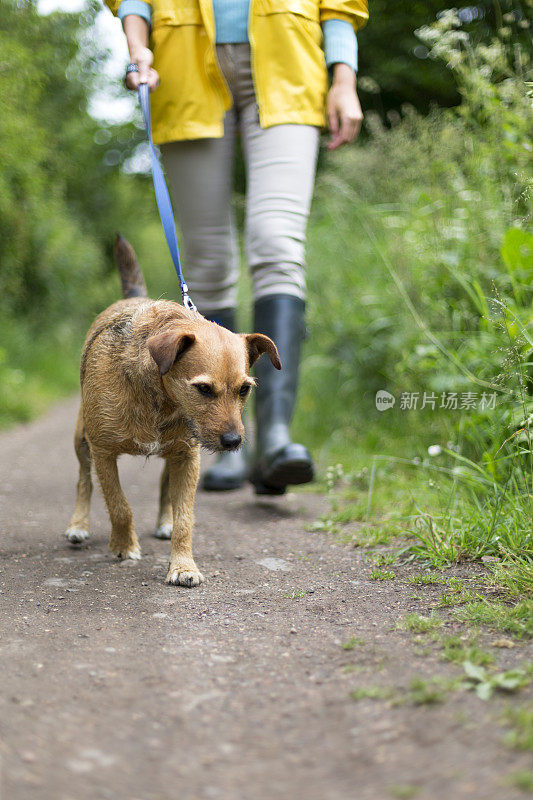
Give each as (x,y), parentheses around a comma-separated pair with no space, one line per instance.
(334,520)
(458,649)
(384,559)
(419,692)
(454,598)
(498,616)
(423,693)
(497,524)
(353,641)
(36,371)
(382,575)
(40,351)
(520,735)
(523,780)
(404,791)
(415,623)
(426,579)
(515,574)
(432,208)
(371,693)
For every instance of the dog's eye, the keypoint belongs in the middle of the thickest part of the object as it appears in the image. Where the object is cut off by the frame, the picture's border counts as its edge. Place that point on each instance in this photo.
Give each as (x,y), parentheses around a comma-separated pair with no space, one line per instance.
(245,388)
(205,389)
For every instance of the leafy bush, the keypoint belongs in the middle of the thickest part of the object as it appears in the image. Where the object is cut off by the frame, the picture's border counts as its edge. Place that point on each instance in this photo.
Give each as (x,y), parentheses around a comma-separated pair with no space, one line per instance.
(62,196)
(421,281)
(421,264)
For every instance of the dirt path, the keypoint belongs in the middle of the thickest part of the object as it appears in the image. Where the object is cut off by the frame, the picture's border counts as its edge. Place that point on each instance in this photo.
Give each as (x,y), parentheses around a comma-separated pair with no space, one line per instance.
(115,685)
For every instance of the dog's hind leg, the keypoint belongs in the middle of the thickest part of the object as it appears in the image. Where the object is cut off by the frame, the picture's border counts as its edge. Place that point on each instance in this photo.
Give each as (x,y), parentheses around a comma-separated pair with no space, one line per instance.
(78,529)
(123,540)
(164,519)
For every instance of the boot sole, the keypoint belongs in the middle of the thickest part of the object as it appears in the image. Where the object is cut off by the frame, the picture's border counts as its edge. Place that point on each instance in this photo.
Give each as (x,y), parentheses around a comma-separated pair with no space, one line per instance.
(282,474)
(218,486)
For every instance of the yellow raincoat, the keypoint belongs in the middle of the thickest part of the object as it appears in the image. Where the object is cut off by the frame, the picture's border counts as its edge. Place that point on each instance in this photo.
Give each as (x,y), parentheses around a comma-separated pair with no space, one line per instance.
(288,65)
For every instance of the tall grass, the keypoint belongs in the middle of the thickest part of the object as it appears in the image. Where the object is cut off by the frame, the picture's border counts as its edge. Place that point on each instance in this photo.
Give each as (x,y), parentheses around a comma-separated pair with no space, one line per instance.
(421,281)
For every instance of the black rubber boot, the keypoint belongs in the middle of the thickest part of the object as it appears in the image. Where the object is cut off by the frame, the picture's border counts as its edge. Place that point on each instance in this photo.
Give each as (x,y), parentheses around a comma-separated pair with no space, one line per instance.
(278,461)
(229,470)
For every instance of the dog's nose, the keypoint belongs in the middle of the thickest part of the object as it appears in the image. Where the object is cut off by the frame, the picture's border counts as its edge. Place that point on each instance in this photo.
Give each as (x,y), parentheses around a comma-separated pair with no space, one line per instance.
(230,441)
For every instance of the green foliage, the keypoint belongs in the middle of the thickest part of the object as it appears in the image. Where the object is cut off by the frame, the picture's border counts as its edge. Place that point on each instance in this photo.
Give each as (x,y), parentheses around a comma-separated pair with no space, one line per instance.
(515,619)
(382,575)
(484,683)
(417,624)
(422,260)
(371,693)
(426,579)
(523,780)
(404,791)
(352,642)
(62,196)
(515,574)
(423,693)
(408,240)
(382,559)
(55,187)
(396,67)
(459,649)
(521,734)
(493,525)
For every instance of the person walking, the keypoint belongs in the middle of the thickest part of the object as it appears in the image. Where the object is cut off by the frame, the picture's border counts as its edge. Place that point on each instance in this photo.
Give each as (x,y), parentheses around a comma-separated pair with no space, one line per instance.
(275,71)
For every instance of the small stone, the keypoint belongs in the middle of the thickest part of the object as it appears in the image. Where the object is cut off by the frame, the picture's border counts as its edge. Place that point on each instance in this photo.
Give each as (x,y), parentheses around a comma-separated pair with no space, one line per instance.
(504,643)
(274,564)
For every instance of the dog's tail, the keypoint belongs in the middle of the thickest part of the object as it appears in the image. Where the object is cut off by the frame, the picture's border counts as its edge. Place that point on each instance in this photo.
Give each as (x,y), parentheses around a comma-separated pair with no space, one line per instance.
(133,284)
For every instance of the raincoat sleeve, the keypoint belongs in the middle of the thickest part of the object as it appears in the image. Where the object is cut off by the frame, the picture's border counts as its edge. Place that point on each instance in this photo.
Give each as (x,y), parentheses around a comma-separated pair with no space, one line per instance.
(353,11)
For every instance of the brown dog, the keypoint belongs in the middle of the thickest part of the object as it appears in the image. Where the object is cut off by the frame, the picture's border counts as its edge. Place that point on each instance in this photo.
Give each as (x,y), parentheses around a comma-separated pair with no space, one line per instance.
(157,379)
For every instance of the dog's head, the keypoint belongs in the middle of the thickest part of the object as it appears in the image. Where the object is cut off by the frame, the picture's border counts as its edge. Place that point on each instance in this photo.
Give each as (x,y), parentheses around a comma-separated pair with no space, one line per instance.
(205,370)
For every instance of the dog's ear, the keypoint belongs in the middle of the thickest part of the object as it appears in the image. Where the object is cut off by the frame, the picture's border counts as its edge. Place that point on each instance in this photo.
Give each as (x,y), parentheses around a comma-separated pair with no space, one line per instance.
(166,347)
(258,344)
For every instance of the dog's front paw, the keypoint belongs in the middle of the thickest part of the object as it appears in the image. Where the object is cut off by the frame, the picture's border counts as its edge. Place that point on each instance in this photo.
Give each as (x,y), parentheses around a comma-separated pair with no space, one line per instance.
(185,574)
(76,535)
(132,551)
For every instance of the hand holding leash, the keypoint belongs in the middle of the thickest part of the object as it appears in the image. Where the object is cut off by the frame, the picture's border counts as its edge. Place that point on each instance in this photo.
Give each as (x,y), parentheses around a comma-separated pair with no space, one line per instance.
(140,70)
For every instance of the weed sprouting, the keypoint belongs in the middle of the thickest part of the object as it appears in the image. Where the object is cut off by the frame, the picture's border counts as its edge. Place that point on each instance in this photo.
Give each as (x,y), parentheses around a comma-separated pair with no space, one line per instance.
(382,575)
(417,624)
(352,642)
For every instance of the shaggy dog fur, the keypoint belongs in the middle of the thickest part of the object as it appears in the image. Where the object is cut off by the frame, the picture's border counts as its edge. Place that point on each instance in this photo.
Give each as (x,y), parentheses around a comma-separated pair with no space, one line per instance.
(157,379)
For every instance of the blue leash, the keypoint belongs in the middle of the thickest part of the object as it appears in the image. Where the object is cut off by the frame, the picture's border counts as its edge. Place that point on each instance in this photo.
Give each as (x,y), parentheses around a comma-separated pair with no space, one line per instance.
(163,198)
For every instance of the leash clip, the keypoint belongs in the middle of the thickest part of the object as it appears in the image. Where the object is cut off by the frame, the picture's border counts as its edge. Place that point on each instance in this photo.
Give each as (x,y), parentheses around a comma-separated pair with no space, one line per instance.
(187,302)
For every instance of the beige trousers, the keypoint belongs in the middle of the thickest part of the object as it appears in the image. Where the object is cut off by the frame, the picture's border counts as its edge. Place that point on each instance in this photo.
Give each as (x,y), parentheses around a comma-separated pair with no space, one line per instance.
(280,169)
